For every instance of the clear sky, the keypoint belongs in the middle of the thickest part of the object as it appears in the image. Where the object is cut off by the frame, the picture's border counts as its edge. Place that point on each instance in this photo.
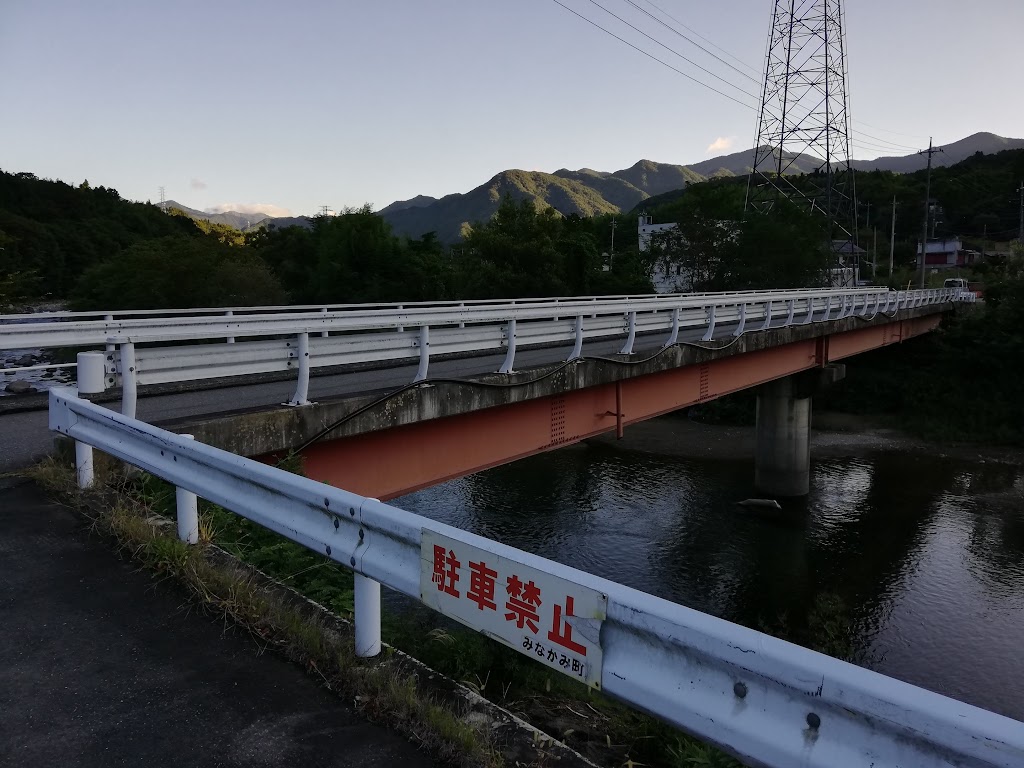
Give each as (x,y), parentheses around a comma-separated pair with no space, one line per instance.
(305,103)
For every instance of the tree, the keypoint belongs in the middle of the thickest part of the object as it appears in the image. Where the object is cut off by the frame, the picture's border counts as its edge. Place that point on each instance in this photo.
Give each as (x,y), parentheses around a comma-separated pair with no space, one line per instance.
(178,272)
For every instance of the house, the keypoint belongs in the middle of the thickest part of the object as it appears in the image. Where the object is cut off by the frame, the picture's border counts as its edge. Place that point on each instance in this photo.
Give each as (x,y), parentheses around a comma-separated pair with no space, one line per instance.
(946,253)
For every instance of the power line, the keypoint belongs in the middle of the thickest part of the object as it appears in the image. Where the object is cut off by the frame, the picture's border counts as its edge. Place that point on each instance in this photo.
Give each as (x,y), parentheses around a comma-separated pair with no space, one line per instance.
(687,39)
(884,141)
(886,130)
(652,56)
(698,34)
(672,50)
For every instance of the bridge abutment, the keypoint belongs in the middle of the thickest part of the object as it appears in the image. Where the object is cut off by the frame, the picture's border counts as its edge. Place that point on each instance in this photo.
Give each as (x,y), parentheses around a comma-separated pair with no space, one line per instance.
(782,461)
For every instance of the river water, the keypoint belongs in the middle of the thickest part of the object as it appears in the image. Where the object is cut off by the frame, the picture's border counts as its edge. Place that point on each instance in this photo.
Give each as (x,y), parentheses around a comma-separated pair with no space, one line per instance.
(925,552)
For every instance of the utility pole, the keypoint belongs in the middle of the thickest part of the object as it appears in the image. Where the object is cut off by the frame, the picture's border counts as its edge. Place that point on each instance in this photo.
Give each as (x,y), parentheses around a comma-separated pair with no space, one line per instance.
(874,257)
(324,209)
(1020,235)
(611,260)
(892,237)
(927,205)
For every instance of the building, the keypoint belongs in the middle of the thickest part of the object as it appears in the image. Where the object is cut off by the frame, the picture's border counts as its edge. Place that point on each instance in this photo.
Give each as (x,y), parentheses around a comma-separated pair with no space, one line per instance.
(946,253)
(646,228)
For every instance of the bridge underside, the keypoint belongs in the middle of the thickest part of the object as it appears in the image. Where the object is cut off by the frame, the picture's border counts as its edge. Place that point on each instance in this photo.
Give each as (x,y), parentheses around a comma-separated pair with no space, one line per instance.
(405,457)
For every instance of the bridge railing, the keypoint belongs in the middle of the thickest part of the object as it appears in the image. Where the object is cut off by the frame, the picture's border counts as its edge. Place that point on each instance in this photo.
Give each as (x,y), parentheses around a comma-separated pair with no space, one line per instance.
(764,700)
(164,349)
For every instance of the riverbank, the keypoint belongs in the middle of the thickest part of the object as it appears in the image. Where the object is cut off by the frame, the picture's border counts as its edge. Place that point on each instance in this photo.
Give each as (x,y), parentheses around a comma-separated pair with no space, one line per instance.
(834,435)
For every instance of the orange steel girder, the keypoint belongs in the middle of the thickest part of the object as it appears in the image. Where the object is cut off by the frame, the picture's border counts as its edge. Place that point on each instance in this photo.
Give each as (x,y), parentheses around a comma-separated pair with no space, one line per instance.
(400,460)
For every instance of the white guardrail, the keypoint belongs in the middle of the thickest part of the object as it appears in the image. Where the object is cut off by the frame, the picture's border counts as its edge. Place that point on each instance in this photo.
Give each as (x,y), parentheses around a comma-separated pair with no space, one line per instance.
(298,339)
(766,701)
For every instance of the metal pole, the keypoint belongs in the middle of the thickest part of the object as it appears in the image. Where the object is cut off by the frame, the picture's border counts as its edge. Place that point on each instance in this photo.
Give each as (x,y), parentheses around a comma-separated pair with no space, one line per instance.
(302,385)
(90,382)
(892,237)
(927,201)
(188,512)
(129,387)
(367,616)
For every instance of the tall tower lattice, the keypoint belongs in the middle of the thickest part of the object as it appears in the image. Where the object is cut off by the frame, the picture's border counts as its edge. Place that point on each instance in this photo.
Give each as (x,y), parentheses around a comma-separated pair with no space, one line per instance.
(804,123)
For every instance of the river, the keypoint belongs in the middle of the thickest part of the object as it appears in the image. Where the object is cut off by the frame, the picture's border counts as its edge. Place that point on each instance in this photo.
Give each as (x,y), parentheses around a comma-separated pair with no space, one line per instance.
(924,550)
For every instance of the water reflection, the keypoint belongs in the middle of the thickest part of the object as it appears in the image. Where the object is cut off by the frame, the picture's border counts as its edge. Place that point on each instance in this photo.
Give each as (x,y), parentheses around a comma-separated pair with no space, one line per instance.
(927,552)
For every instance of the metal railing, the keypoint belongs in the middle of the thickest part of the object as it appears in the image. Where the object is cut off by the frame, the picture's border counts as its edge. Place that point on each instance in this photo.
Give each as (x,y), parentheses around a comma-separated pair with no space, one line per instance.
(264,340)
(764,700)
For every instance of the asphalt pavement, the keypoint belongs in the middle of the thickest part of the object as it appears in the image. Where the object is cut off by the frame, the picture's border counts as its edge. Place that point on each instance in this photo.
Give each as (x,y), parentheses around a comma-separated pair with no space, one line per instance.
(101,665)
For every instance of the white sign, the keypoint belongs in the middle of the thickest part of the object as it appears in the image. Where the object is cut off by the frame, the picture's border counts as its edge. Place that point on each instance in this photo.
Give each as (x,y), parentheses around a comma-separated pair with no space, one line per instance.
(554,621)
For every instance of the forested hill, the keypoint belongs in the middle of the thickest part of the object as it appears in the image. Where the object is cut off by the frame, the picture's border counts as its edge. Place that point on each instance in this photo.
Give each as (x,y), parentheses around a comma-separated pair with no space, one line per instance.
(50,232)
(53,233)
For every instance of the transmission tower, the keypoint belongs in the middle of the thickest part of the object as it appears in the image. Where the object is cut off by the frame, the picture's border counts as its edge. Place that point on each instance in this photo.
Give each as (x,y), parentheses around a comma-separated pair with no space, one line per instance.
(163,201)
(805,123)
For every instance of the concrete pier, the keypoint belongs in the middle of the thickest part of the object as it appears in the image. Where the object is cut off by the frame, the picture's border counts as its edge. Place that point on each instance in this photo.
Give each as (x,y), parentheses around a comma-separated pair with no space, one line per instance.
(782,464)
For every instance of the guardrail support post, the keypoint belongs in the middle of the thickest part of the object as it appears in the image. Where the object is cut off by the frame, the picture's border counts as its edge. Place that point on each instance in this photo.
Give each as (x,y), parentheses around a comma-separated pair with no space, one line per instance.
(627,348)
(421,372)
(743,321)
(109,319)
(401,328)
(462,307)
(188,512)
(129,386)
(302,386)
(767,315)
(828,308)
(673,337)
(577,347)
(810,311)
(791,305)
(230,339)
(510,357)
(324,334)
(91,374)
(710,333)
(367,616)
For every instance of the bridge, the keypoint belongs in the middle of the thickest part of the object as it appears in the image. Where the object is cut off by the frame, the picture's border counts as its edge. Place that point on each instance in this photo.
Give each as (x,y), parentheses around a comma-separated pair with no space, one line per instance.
(493,381)
(764,700)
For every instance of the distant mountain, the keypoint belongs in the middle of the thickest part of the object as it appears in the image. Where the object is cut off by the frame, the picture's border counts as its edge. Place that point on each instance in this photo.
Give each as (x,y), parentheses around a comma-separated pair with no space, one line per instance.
(452,213)
(986,143)
(584,192)
(588,192)
(417,202)
(280,222)
(240,221)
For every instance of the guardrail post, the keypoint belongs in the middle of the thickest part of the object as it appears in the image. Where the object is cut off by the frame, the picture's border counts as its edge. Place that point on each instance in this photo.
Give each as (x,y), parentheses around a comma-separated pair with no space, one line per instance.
(743,321)
(627,348)
(510,357)
(810,311)
(324,334)
(109,319)
(421,372)
(367,616)
(767,315)
(302,385)
(577,348)
(710,333)
(91,374)
(401,328)
(673,337)
(828,308)
(462,306)
(129,385)
(791,305)
(188,511)
(230,339)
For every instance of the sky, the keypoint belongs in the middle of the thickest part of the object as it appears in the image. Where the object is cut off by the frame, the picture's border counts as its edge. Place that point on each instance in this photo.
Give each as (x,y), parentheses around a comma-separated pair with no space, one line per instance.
(285,107)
